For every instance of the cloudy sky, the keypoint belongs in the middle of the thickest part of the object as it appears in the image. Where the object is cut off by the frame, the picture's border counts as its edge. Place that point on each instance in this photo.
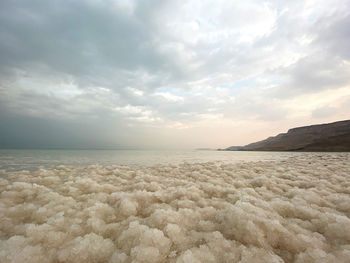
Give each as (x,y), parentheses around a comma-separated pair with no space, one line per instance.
(169,74)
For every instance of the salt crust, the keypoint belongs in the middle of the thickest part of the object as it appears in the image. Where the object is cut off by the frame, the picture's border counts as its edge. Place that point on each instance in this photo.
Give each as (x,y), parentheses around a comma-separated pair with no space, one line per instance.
(286,211)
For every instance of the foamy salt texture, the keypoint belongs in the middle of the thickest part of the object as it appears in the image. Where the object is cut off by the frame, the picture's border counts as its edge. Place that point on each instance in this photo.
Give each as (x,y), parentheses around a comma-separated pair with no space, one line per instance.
(288,211)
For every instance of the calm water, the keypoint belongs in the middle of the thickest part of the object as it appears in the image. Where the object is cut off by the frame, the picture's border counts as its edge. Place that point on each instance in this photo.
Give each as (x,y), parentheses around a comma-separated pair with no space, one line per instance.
(12,160)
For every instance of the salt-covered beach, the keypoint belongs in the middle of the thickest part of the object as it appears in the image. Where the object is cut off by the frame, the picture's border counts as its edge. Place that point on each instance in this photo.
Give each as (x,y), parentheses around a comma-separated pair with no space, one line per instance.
(293,210)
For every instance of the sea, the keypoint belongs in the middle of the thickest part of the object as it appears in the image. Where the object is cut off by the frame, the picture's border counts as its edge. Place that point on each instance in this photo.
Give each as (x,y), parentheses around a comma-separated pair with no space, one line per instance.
(32,159)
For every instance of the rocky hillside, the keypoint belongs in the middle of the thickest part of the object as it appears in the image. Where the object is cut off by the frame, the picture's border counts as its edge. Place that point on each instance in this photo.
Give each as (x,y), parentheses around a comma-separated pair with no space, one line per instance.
(322,137)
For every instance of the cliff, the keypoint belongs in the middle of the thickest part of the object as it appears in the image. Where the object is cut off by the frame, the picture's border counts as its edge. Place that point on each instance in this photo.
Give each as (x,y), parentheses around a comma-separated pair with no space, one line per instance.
(322,137)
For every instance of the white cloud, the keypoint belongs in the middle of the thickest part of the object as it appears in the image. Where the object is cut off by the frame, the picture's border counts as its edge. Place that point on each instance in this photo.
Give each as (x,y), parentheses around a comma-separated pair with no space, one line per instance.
(305,105)
(170,97)
(137,92)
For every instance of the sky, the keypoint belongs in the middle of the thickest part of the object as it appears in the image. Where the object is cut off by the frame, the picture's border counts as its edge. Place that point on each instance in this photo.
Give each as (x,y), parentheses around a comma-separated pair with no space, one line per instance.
(167,74)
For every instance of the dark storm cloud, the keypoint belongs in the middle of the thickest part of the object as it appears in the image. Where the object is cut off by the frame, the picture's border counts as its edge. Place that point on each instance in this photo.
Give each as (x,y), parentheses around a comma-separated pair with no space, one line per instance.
(75,37)
(93,43)
(87,43)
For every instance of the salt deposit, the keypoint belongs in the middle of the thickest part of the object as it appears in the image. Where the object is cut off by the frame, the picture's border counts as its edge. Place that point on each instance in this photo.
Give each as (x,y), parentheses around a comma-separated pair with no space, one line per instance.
(280,211)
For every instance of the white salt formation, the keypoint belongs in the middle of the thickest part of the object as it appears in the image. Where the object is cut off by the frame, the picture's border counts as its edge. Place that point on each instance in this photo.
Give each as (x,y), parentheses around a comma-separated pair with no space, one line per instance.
(288,211)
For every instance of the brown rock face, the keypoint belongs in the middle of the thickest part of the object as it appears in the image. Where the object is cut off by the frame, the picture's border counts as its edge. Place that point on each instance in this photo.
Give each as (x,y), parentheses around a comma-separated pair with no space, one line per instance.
(323,137)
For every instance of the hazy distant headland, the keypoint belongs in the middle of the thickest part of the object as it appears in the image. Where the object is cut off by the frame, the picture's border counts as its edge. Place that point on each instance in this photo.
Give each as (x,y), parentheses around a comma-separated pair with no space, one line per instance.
(329,137)
(205,149)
